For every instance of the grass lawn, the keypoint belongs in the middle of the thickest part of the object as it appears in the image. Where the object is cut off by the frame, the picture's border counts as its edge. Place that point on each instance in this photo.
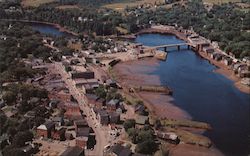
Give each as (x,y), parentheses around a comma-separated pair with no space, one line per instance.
(131,3)
(35,3)
(220,1)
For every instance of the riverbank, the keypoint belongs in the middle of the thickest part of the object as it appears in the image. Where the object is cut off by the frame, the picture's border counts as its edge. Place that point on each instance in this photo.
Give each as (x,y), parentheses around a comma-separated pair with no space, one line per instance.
(159,105)
(134,73)
(57,26)
(227,72)
(222,68)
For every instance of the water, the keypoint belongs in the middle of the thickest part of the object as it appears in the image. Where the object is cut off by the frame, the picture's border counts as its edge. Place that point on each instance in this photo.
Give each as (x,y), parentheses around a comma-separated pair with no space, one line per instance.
(205,95)
(49,30)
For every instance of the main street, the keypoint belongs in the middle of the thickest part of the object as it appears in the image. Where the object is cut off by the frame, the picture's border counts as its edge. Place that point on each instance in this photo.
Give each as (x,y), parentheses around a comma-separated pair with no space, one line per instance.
(101,135)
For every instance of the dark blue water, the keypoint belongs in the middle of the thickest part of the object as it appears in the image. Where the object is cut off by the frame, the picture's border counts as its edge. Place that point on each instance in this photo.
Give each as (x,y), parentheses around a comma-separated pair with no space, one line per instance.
(49,30)
(205,95)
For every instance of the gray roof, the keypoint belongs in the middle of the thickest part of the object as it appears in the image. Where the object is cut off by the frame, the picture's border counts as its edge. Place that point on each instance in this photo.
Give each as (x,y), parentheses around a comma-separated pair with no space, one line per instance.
(113,102)
(120,150)
(73,151)
(140,119)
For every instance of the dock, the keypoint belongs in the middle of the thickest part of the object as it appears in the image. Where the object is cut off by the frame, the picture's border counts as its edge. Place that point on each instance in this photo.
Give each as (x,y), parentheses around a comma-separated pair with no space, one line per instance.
(152,88)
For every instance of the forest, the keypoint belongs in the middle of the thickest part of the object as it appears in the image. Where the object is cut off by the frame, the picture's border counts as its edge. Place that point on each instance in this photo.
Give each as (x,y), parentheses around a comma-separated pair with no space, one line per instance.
(225,23)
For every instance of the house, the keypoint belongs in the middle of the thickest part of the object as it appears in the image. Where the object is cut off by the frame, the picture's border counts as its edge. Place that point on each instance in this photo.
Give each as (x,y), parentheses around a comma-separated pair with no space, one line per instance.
(244,73)
(208,50)
(83,132)
(228,61)
(112,104)
(86,74)
(73,151)
(45,130)
(217,56)
(4,140)
(10,111)
(141,120)
(139,109)
(78,124)
(82,142)
(111,83)
(114,117)
(30,149)
(59,133)
(30,114)
(119,150)
(103,117)
(59,121)
(72,109)
(168,136)
(245,81)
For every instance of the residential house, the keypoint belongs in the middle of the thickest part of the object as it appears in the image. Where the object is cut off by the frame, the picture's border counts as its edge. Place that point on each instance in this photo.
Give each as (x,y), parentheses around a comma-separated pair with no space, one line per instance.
(119,150)
(73,151)
(139,109)
(45,130)
(228,61)
(86,74)
(82,142)
(208,50)
(103,117)
(141,120)
(59,133)
(168,136)
(112,104)
(4,140)
(78,124)
(114,117)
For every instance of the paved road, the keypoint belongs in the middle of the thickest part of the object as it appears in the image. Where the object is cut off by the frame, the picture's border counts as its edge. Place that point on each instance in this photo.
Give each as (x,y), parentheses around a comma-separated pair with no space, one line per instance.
(102,136)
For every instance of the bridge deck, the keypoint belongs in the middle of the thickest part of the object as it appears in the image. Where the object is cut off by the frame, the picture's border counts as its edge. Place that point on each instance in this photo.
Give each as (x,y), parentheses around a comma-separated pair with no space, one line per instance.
(170,45)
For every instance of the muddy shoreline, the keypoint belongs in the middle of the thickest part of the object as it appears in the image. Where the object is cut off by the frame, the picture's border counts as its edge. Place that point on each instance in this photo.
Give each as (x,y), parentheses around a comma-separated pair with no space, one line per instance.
(160,105)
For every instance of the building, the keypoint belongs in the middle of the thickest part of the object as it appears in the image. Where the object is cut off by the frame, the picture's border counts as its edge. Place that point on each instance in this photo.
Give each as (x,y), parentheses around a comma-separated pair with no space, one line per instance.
(85,75)
(112,104)
(139,109)
(80,124)
(208,50)
(82,142)
(103,117)
(119,150)
(141,120)
(114,117)
(59,134)
(73,151)
(45,130)
(169,136)
(228,61)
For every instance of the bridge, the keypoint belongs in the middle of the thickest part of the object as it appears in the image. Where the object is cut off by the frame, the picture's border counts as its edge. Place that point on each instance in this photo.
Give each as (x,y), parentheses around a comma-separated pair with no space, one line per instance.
(178,45)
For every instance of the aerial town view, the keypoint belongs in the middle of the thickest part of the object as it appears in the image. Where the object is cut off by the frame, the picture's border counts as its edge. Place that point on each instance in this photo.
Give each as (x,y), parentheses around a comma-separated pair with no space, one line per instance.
(124,78)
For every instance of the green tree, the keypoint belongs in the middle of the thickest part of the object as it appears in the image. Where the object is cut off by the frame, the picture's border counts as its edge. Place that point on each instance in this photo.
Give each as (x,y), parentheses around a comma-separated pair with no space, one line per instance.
(129,123)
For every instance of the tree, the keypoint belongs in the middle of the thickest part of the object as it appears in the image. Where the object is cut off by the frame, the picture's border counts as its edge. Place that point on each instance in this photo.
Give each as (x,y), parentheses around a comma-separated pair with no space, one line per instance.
(9,97)
(129,123)
(22,137)
(101,92)
(146,147)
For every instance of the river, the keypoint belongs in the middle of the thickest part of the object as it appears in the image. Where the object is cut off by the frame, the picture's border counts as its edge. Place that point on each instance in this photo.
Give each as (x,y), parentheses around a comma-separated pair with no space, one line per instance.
(49,30)
(207,96)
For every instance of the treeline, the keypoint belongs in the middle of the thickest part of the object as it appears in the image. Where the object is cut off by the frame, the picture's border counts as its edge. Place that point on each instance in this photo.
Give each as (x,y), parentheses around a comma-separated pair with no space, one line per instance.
(225,23)
(17,42)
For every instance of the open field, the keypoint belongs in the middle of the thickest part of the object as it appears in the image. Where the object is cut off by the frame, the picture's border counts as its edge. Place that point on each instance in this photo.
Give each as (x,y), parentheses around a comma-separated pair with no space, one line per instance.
(35,3)
(63,7)
(122,5)
(220,1)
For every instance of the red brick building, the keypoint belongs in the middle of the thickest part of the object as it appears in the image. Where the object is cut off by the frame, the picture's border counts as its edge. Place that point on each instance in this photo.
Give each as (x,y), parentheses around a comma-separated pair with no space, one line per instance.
(45,130)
